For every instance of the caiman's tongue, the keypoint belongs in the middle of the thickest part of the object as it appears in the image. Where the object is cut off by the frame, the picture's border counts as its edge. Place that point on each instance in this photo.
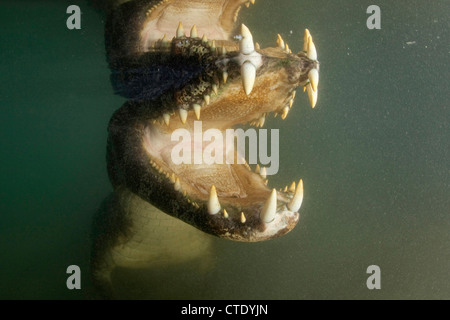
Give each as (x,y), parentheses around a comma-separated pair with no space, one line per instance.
(221,84)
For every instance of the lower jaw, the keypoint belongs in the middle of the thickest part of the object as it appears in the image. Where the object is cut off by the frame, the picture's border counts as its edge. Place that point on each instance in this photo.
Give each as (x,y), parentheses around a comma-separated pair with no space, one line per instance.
(242,193)
(135,164)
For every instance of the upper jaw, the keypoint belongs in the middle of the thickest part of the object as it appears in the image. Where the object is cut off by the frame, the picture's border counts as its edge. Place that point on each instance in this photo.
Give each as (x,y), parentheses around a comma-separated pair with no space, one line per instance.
(257,82)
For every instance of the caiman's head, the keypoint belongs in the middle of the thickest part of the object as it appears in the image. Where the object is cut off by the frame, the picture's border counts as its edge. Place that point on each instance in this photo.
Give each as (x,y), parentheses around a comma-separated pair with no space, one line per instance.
(179,80)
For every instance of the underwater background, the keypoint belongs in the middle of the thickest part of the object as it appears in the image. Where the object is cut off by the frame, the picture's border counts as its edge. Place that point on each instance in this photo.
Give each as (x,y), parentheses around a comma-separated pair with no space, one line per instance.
(373,154)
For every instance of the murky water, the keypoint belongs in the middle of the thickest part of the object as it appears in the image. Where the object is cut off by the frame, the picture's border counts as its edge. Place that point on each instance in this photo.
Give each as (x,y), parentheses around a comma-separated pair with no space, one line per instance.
(373,154)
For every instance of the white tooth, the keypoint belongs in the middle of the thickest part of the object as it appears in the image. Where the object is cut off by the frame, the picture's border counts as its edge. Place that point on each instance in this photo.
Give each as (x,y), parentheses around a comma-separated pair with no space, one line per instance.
(213,202)
(292,187)
(257,169)
(224,76)
(197,109)
(225,213)
(312,95)
(280,42)
(263,172)
(214,89)
(313,76)
(257,46)
(164,41)
(248,74)
(243,219)
(285,112)
(269,210)
(204,39)
(180,30)
(246,45)
(287,48)
(207,98)
(262,120)
(311,53)
(305,40)
(183,115)
(177,185)
(224,50)
(194,33)
(291,102)
(213,46)
(296,201)
(166,118)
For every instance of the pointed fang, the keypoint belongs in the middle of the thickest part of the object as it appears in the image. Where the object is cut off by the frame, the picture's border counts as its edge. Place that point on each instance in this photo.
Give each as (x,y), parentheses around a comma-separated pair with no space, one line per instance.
(177,185)
(287,50)
(262,120)
(224,76)
(311,53)
(312,95)
(213,46)
(207,98)
(248,74)
(166,118)
(194,33)
(285,112)
(246,45)
(291,102)
(269,210)
(197,109)
(243,219)
(180,30)
(292,187)
(214,89)
(213,202)
(305,40)
(183,115)
(313,76)
(263,172)
(164,41)
(296,201)
(280,42)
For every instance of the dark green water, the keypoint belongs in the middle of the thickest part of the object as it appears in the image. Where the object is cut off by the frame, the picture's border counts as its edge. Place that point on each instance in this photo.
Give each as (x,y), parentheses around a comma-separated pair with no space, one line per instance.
(374,153)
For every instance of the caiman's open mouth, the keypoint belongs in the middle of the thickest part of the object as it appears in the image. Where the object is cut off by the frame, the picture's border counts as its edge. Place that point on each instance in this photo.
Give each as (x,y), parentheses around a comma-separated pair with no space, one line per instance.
(179,81)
